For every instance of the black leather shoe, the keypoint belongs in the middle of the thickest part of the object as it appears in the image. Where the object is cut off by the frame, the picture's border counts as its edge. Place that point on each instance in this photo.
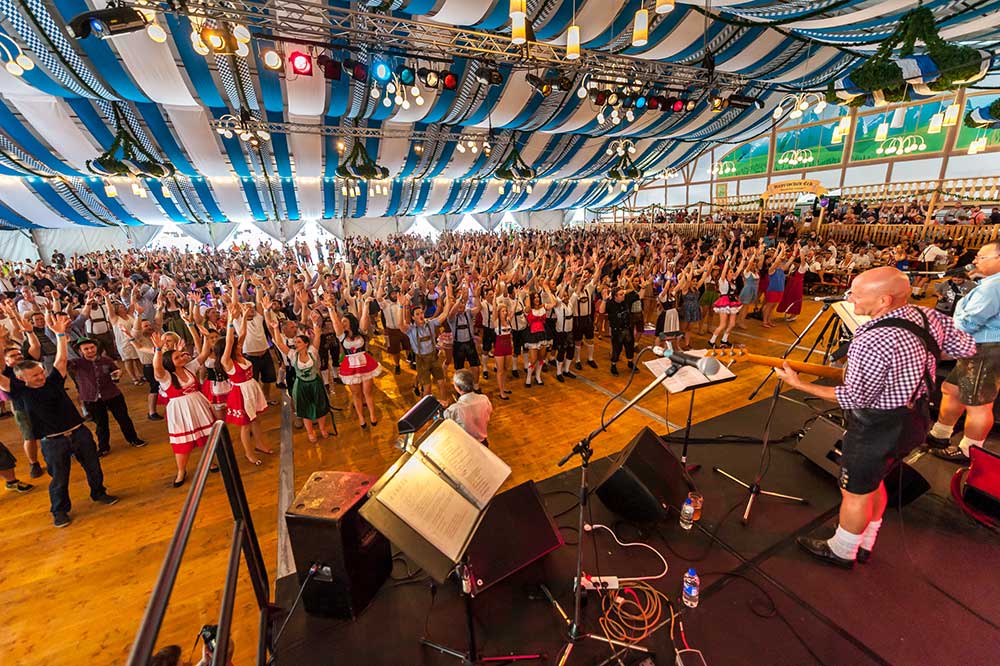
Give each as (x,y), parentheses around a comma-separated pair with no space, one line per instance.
(820,549)
(592,364)
(614,370)
(951,454)
(560,379)
(863,555)
(569,374)
(938,442)
(514,373)
(579,366)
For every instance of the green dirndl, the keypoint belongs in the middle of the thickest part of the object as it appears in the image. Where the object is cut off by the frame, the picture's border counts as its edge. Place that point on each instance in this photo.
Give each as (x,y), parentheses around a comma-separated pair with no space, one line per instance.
(308,393)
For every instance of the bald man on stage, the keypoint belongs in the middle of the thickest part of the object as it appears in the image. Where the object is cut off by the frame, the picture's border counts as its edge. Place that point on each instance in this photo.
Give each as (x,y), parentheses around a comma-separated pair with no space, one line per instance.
(891,367)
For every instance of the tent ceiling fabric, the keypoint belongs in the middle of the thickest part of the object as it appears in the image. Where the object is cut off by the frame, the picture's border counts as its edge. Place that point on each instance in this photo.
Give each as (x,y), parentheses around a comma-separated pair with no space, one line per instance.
(62,113)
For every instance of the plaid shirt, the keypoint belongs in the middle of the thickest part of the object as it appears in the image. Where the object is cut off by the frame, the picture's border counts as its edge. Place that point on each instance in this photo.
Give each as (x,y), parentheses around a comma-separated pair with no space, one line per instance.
(885,366)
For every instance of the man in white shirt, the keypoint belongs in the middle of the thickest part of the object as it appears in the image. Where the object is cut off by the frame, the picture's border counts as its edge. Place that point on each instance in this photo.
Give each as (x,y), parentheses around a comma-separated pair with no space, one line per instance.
(30,302)
(257,349)
(472,410)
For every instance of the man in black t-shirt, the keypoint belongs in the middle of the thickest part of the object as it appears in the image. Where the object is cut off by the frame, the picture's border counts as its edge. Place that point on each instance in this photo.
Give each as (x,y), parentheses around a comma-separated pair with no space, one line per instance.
(57,423)
(619,310)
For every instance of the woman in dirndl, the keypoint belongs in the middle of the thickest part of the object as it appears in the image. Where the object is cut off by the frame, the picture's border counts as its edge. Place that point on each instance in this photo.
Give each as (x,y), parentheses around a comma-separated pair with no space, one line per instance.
(216,386)
(751,287)
(538,338)
(189,416)
(358,369)
(503,348)
(309,396)
(727,305)
(246,399)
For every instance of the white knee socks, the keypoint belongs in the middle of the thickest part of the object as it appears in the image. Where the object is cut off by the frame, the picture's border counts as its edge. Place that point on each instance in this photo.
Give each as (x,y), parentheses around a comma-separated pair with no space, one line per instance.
(942,431)
(966,443)
(870,534)
(845,544)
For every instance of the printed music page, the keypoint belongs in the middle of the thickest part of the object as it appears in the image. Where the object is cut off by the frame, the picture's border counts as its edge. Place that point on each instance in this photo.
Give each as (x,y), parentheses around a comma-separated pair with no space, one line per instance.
(469,464)
(686,376)
(429,505)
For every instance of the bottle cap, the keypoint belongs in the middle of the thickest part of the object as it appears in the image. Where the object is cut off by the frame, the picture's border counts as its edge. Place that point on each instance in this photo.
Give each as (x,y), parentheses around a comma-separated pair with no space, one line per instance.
(692,572)
(687,501)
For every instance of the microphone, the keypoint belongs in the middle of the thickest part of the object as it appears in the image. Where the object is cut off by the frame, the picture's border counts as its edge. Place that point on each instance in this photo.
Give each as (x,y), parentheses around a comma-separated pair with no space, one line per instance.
(706,365)
(830,299)
(668,335)
(959,270)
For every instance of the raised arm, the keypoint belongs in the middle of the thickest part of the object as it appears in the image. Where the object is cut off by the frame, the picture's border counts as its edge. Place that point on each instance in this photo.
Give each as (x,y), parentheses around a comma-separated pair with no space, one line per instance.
(58,323)
(159,372)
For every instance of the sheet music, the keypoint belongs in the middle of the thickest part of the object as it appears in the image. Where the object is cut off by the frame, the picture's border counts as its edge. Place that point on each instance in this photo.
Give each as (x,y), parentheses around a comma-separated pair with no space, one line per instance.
(687,376)
(465,461)
(428,504)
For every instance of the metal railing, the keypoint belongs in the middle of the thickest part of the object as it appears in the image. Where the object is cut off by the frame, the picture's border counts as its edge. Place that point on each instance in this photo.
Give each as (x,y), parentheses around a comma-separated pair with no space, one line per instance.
(244,541)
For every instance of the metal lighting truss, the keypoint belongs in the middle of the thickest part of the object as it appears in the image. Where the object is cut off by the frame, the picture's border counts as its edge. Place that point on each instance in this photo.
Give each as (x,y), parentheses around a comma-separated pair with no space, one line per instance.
(350,132)
(339,28)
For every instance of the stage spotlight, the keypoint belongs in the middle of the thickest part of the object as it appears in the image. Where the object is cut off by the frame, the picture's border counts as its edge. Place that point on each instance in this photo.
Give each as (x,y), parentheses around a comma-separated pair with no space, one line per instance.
(382,72)
(301,63)
(449,80)
(271,59)
(640,102)
(677,106)
(599,97)
(220,42)
(358,71)
(653,102)
(691,104)
(106,23)
(406,75)
(428,77)
(539,84)
(489,75)
(332,69)
(719,103)
(627,101)
(613,98)
(563,83)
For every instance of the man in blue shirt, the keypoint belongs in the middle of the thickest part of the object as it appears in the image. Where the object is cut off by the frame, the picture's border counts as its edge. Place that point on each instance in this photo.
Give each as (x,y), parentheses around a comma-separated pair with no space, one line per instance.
(974,383)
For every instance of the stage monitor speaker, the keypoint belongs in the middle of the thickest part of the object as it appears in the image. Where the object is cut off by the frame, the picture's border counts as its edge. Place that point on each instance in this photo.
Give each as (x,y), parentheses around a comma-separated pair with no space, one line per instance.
(324,527)
(645,481)
(823,445)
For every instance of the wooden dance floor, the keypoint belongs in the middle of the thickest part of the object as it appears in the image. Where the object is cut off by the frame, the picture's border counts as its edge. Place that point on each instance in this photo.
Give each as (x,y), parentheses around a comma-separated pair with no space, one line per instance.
(77,595)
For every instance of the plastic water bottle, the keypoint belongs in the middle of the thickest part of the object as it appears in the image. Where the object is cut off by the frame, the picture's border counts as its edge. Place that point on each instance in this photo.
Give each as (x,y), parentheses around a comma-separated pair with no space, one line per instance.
(687,514)
(690,589)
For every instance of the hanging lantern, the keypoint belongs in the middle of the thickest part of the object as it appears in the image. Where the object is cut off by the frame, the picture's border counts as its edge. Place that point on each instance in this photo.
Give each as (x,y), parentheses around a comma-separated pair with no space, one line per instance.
(640,29)
(518,30)
(573,42)
(882,132)
(664,6)
(518,8)
(951,115)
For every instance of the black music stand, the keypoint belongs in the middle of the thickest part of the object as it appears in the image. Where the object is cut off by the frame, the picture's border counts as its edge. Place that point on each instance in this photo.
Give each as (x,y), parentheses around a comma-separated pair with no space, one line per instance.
(437,563)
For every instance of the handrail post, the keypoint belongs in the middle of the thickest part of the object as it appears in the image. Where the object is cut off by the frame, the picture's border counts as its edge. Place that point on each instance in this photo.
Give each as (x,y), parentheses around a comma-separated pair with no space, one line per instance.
(221,652)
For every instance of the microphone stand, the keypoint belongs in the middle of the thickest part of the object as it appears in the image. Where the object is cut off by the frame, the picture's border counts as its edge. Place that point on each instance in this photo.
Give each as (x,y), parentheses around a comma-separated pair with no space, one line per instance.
(584,450)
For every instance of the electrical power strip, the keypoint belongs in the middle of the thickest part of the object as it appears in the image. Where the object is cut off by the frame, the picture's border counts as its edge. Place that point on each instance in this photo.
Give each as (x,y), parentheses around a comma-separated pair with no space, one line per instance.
(604,582)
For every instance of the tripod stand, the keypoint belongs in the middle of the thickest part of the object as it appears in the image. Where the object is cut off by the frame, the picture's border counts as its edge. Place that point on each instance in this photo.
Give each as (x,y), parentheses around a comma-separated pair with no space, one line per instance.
(754,488)
(584,450)
(471,656)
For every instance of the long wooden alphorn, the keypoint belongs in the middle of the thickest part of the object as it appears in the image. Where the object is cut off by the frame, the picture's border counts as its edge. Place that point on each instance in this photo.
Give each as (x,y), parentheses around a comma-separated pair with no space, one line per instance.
(815,369)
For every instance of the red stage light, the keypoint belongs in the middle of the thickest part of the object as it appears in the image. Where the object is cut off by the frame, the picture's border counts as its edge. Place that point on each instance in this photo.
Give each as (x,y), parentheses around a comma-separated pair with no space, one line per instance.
(449,80)
(653,102)
(678,106)
(302,63)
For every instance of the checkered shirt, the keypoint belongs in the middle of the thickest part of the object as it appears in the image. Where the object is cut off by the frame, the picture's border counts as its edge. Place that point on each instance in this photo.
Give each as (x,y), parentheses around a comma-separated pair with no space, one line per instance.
(885,366)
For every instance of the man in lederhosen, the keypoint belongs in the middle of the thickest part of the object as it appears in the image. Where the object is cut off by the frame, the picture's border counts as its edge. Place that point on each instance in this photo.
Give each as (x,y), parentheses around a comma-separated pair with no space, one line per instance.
(462,319)
(489,317)
(422,334)
(563,323)
(890,369)
(520,333)
(583,319)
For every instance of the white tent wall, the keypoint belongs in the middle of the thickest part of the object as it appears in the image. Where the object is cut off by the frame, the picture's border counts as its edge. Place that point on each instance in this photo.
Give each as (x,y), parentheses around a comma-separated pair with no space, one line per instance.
(214,234)
(333,225)
(488,221)
(282,230)
(372,227)
(80,240)
(17,246)
(542,220)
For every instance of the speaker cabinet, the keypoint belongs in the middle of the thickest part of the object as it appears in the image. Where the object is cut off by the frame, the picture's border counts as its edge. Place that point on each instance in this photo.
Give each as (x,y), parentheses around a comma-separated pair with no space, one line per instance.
(324,527)
(645,481)
(823,445)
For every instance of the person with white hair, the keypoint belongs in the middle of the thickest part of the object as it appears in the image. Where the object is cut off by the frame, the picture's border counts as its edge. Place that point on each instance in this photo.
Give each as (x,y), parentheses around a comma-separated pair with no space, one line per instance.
(472,410)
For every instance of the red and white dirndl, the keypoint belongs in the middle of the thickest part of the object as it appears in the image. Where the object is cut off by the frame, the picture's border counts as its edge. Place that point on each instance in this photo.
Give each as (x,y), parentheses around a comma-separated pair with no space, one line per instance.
(246,399)
(216,386)
(189,416)
(358,365)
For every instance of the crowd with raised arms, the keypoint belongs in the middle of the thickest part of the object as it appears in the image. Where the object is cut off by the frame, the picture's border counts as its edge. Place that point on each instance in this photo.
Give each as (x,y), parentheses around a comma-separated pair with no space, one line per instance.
(215,335)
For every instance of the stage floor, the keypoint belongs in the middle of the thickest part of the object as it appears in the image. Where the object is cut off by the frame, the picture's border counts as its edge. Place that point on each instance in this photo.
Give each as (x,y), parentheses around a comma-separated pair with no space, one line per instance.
(928,596)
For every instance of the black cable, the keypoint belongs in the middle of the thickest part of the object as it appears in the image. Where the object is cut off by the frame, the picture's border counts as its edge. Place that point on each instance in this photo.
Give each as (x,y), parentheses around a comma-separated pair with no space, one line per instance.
(713,535)
(769,610)
(313,570)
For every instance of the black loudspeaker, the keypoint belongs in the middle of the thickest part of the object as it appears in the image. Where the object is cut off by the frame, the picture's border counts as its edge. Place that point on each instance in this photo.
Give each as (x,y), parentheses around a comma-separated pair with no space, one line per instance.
(823,445)
(324,527)
(645,481)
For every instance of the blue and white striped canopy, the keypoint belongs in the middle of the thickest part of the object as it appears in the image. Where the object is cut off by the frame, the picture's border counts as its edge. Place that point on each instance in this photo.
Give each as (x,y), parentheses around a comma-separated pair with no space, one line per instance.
(60,113)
